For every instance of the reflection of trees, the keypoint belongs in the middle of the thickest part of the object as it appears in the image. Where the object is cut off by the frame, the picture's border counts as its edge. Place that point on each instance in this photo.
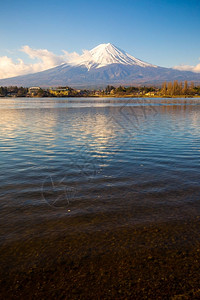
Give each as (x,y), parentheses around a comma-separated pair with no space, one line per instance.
(186,115)
(176,108)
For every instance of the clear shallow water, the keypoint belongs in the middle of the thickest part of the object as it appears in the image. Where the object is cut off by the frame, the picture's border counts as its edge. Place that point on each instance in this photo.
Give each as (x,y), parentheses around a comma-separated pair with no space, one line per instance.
(97,163)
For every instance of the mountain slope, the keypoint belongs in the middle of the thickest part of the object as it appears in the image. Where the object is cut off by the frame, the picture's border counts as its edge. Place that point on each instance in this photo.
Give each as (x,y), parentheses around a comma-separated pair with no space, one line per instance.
(105,64)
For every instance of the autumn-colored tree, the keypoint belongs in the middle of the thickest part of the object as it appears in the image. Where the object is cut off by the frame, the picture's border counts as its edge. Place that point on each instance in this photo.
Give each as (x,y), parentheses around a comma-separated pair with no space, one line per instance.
(185,88)
(175,89)
(164,89)
(170,89)
(181,87)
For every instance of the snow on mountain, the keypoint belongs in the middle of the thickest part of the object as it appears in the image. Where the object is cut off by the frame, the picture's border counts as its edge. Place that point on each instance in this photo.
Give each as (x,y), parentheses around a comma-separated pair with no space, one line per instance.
(107,54)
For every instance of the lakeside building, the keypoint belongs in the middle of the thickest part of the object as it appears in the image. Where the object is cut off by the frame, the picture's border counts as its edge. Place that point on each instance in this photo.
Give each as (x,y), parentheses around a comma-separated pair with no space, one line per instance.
(33,90)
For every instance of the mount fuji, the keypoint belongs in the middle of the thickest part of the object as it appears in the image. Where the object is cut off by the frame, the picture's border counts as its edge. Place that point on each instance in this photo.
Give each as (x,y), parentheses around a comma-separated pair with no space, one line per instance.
(103,65)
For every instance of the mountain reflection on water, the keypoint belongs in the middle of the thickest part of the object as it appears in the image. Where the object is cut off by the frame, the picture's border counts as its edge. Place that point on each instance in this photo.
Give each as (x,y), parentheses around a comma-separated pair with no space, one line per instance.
(113,161)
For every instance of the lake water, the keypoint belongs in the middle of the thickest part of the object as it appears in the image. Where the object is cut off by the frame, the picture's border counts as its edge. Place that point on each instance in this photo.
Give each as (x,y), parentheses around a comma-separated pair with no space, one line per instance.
(97,163)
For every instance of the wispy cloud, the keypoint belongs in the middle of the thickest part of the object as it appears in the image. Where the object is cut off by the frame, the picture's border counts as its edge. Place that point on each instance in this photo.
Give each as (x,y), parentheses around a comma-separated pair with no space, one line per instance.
(195,69)
(43,60)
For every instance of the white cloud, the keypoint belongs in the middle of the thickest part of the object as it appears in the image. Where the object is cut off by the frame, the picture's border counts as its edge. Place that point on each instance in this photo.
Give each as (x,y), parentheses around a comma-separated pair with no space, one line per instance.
(9,68)
(46,57)
(195,69)
(44,60)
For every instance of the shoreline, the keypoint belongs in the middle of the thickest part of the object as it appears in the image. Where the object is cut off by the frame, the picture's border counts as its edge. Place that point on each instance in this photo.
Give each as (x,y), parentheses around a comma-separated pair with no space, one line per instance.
(107,96)
(159,260)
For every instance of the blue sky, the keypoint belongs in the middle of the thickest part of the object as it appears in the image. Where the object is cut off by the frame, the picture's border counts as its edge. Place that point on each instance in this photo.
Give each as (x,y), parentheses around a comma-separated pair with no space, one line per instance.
(164,32)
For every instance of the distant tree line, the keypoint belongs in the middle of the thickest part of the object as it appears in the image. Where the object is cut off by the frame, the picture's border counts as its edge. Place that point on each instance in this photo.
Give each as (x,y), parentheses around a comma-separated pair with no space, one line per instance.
(14,91)
(168,89)
(122,90)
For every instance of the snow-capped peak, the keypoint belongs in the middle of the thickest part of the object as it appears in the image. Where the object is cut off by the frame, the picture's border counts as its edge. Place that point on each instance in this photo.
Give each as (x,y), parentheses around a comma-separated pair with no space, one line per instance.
(106,54)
